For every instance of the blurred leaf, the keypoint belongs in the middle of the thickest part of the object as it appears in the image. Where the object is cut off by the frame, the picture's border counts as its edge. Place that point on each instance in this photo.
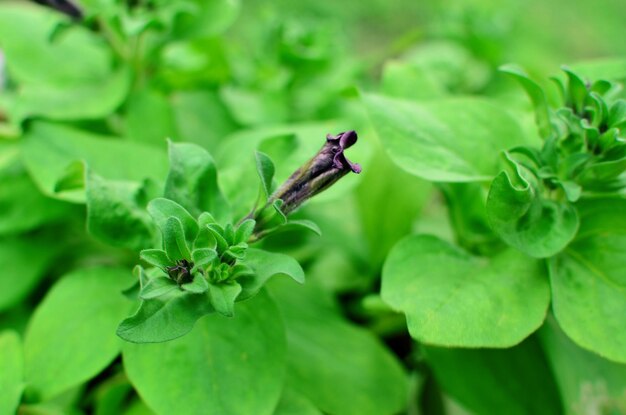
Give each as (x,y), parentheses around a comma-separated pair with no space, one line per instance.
(266,265)
(12,369)
(513,381)
(23,261)
(612,68)
(192,181)
(452,140)
(80,311)
(588,280)
(206,18)
(342,369)
(48,149)
(150,118)
(592,384)
(292,402)
(453,299)
(524,219)
(224,366)
(116,214)
(404,80)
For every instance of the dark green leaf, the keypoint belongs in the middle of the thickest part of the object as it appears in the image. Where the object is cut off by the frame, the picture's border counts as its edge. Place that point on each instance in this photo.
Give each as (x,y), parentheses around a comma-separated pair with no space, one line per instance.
(453,299)
(231,366)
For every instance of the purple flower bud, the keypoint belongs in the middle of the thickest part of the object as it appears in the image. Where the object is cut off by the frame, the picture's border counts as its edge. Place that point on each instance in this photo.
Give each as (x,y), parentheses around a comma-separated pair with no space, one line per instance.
(319,173)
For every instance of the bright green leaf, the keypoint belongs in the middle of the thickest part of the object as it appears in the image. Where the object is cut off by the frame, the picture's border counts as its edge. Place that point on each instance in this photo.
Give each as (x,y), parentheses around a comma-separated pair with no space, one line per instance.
(12,369)
(157,287)
(265,168)
(453,299)
(265,265)
(162,210)
(197,286)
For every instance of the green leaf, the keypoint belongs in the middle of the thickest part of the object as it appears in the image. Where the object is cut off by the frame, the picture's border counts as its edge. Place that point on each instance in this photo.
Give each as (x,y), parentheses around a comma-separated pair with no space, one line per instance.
(229,366)
(85,100)
(223,297)
(451,140)
(115,213)
(12,369)
(156,257)
(588,280)
(265,168)
(406,80)
(588,383)
(266,265)
(342,369)
(23,261)
(536,95)
(149,105)
(164,318)
(453,299)
(292,402)
(192,181)
(244,231)
(80,311)
(207,19)
(47,150)
(202,257)
(513,381)
(162,210)
(577,91)
(174,240)
(157,287)
(197,286)
(537,226)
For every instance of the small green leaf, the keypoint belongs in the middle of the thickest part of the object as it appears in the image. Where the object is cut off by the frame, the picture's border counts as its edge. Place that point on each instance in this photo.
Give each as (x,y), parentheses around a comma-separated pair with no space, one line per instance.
(265,168)
(588,279)
(223,297)
(192,181)
(164,318)
(523,219)
(244,231)
(197,286)
(157,287)
(162,209)
(218,234)
(266,265)
(80,311)
(537,96)
(174,240)
(224,366)
(72,179)
(202,257)
(156,257)
(12,369)
(115,214)
(453,299)
(577,90)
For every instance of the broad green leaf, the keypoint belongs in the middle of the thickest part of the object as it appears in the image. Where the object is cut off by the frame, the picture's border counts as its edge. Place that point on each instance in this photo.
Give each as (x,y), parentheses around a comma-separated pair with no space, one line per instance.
(513,381)
(164,318)
(18,190)
(223,297)
(524,219)
(450,140)
(174,240)
(80,311)
(115,213)
(453,299)
(409,81)
(157,287)
(12,370)
(292,403)
(589,280)
(265,265)
(47,150)
(23,261)
(265,168)
(536,95)
(588,383)
(342,369)
(89,100)
(192,181)
(162,210)
(224,366)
